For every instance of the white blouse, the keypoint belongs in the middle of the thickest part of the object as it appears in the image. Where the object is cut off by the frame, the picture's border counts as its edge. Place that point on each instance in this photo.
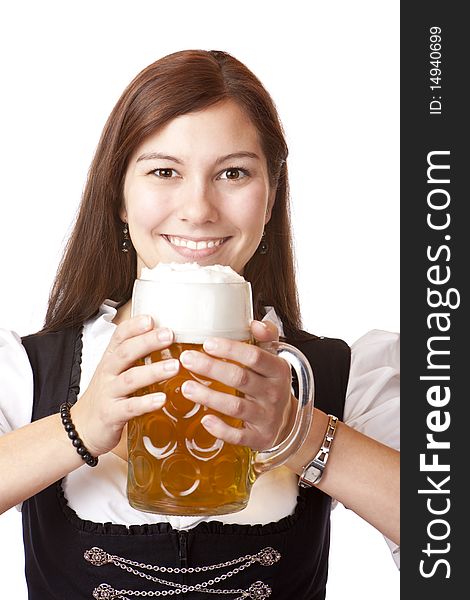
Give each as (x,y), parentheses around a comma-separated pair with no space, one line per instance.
(99,494)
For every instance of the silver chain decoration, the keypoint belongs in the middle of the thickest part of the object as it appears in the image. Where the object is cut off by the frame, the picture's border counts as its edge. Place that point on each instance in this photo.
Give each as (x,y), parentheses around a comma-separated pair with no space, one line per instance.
(257,591)
(98,557)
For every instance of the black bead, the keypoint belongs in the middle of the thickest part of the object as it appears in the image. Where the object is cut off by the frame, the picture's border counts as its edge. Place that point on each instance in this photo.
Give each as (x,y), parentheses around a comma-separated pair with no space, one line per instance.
(69,427)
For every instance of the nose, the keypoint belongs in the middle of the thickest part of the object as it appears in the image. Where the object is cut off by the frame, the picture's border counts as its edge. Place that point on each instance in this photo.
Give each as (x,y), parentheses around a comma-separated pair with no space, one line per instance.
(197,204)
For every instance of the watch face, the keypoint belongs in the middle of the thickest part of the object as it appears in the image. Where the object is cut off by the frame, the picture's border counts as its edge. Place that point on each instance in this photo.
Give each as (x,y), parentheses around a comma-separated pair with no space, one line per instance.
(310,476)
(314,473)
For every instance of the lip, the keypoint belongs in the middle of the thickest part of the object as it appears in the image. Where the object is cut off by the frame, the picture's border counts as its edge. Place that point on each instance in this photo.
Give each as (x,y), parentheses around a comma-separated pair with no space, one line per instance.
(193,253)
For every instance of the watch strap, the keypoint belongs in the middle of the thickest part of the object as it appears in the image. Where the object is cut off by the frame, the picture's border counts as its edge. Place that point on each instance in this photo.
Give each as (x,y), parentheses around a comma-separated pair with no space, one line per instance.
(313,471)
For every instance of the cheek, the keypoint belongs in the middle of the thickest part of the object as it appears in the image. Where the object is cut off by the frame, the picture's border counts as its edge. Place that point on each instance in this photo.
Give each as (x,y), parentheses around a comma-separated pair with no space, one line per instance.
(145,209)
(250,210)
(251,223)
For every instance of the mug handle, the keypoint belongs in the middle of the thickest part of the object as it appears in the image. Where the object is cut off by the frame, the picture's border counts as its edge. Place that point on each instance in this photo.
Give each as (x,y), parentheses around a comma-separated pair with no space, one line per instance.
(278,455)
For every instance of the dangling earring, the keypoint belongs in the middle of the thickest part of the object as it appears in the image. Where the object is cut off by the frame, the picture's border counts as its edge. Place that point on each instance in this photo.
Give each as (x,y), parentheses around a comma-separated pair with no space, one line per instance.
(263,245)
(126,240)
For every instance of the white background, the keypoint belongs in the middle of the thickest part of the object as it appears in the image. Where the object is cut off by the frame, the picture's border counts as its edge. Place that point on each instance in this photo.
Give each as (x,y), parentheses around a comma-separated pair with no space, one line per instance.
(333,71)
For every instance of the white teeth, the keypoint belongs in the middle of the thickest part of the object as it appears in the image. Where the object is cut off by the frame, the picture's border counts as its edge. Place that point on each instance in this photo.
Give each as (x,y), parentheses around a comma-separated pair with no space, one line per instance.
(182,242)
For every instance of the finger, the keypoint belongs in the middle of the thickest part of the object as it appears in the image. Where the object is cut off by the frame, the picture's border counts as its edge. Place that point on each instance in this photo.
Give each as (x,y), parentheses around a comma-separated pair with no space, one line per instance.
(129,328)
(233,435)
(227,404)
(255,358)
(136,378)
(138,405)
(132,349)
(232,375)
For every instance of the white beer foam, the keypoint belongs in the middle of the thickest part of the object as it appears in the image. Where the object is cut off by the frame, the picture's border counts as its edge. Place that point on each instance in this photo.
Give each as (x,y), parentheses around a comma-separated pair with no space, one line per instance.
(195,301)
(190,273)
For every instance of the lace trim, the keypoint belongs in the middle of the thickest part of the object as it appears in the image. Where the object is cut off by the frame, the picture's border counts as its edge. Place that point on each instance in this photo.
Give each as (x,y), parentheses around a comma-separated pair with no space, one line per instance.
(215,527)
(76,370)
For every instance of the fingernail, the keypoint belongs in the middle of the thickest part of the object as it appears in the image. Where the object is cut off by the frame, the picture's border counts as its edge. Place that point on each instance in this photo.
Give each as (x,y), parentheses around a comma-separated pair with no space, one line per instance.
(164,335)
(186,358)
(145,322)
(208,421)
(170,366)
(210,344)
(263,324)
(188,388)
(158,399)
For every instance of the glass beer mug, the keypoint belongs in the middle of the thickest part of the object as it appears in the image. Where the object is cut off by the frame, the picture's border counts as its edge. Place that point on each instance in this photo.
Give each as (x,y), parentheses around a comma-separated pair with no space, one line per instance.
(175,466)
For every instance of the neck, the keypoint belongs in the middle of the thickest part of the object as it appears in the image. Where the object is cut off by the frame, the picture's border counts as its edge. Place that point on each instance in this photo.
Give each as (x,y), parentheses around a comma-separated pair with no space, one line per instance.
(123,313)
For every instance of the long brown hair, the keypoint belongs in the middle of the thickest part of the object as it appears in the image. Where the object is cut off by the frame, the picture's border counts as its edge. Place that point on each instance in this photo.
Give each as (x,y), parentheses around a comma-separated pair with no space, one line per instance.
(93,267)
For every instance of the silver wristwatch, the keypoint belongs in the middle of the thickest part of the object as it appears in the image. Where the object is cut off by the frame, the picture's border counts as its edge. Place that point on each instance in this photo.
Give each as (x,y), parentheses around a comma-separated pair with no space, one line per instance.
(312,473)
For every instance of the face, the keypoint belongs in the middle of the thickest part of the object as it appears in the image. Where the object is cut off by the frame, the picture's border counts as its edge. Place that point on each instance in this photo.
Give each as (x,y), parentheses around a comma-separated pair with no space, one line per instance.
(198,190)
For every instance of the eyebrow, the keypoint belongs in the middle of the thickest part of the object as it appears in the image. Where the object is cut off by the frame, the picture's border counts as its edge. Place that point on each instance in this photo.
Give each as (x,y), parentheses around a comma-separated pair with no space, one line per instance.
(221,159)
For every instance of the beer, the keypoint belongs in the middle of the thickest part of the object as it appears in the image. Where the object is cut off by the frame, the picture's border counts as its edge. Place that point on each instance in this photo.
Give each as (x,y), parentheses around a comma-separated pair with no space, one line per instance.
(175,465)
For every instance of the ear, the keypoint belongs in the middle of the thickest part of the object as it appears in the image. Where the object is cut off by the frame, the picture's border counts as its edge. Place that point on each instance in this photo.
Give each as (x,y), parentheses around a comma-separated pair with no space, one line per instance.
(269,208)
(123,214)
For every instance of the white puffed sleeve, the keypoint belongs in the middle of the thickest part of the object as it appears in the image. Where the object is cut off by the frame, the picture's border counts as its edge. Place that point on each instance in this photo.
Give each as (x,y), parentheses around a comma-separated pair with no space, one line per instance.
(373,395)
(372,403)
(16,383)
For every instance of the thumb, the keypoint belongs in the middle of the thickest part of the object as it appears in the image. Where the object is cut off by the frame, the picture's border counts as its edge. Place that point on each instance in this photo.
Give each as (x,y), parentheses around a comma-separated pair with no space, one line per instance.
(264,331)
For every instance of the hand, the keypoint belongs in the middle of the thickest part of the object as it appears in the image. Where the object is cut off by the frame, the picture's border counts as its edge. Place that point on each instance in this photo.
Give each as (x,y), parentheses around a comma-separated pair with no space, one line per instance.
(107,405)
(263,378)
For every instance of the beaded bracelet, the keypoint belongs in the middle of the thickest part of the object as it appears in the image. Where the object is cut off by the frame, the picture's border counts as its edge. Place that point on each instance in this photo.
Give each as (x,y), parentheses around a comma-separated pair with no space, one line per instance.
(69,427)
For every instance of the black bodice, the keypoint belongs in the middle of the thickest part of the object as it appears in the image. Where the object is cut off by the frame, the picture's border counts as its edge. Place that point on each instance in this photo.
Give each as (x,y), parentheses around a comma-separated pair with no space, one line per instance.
(68,558)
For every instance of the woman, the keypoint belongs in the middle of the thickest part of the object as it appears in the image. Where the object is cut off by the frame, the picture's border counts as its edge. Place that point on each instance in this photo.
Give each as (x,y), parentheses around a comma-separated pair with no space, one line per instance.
(191,166)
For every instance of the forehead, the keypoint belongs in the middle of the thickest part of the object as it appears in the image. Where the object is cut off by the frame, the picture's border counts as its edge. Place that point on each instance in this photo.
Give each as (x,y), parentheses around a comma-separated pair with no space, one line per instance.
(221,128)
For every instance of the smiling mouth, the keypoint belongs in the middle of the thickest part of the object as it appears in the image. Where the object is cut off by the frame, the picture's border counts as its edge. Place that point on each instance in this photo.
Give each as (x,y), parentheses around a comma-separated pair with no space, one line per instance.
(207,244)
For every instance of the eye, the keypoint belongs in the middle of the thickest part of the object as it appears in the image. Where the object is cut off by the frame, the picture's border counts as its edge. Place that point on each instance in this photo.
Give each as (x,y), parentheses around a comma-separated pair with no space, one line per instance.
(234,173)
(163,173)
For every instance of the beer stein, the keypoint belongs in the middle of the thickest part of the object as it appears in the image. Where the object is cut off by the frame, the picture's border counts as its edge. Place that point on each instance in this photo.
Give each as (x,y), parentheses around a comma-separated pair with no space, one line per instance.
(175,466)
